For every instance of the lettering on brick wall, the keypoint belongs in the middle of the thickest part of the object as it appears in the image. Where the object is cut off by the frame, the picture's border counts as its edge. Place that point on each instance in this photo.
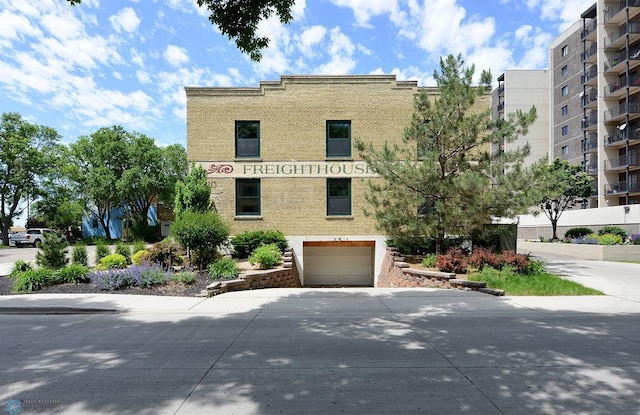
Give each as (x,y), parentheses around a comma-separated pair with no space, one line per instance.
(288,169)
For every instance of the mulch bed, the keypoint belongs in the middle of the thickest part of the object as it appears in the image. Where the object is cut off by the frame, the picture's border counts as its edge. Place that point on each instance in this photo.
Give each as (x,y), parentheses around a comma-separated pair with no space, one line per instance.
(172,288)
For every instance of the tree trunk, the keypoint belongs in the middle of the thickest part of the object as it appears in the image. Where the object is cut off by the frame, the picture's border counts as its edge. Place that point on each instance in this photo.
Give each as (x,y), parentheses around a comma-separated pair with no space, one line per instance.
(554,226)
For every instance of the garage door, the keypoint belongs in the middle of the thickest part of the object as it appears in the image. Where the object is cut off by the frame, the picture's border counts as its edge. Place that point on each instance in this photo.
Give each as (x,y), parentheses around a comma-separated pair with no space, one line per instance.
(338,265)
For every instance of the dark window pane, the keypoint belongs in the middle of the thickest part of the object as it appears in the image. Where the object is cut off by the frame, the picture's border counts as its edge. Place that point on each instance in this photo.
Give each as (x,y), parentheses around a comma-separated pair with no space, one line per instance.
(338,138)
(338,196)
(247,138)
(248,197)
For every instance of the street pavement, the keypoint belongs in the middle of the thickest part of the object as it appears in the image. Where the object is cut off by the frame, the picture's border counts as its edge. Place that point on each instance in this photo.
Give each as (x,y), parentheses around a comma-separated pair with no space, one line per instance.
(302,351)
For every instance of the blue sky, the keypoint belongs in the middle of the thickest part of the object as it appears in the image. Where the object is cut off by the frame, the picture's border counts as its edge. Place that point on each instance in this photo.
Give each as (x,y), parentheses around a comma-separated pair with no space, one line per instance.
(108,62)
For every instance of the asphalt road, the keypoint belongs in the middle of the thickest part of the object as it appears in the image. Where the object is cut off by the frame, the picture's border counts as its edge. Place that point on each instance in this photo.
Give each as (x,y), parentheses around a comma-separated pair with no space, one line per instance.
(302,351)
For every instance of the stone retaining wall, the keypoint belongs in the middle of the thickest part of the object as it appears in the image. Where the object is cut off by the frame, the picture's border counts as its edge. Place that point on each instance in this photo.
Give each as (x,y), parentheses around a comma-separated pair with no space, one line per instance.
(285,277)
(396,273)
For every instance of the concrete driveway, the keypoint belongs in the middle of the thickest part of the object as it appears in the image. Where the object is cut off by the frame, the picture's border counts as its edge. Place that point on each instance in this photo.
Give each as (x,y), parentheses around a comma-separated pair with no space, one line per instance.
(300,351)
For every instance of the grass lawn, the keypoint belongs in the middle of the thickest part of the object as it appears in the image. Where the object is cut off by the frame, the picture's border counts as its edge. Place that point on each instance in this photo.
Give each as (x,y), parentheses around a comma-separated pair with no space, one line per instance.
(541,283)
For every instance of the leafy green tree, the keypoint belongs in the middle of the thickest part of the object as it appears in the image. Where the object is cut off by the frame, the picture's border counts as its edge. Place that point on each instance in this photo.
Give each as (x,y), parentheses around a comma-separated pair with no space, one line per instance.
(560,186)
(444,179)
(239,20)
(151,175)
(59,204)
(52,253)
(101,160)
(202,233)
(193,194)
(25,158)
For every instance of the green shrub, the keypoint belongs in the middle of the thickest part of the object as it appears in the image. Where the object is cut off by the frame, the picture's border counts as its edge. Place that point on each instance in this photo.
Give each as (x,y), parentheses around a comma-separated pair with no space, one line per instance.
(201,233)
(124,250)
(79,255)
(102,249)
(52,253)
(535,267)
(429,261)
(112,261)
(32,280)
(186,278)
(413,246)
(138,245)
(166,253)
(140,257)
(609,239)
(615,230)
(225,268)
(74,274)
(266,256)
(20,266)
(246,242)
(577,233)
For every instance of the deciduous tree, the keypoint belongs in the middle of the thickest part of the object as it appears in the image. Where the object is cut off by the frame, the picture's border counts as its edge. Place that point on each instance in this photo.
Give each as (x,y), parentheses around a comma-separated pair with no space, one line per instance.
(444,179)
(193,193)
(560,186)
(25,157)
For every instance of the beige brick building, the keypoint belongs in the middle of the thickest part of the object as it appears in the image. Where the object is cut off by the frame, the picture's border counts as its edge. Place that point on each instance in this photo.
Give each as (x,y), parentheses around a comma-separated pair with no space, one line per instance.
(281,156)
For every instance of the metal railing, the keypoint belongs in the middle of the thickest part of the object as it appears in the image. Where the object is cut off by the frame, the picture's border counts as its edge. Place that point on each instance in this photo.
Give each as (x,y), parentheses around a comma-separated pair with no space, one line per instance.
(631,28)
(614,9)
(622,109)
(627,160)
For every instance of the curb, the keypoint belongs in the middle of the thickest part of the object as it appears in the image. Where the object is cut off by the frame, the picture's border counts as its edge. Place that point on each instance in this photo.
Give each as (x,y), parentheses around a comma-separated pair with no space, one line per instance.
(56,310)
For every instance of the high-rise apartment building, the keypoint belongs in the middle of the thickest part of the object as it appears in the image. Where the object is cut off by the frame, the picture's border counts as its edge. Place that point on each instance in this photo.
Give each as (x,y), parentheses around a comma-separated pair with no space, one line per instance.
(520,90)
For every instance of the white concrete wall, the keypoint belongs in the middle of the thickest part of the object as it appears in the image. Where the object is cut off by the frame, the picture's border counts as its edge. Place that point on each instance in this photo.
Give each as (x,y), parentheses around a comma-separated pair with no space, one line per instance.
(524,89)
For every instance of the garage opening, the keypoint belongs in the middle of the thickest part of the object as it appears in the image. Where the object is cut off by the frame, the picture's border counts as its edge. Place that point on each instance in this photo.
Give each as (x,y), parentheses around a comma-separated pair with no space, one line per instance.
(338,263)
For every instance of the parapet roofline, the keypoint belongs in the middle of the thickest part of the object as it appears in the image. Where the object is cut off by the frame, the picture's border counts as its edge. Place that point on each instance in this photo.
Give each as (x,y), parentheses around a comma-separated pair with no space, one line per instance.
(301,80)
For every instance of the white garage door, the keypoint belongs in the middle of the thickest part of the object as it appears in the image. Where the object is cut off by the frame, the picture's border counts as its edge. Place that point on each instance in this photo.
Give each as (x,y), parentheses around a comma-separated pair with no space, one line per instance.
(338,265)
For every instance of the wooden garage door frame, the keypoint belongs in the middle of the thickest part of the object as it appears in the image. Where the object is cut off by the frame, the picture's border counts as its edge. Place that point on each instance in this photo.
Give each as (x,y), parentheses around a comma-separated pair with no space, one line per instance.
(345,244)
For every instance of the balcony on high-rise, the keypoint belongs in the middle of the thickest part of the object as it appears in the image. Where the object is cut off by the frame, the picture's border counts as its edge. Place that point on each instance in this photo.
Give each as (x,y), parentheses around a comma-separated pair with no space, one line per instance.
(618,38)
(613,15)
(620,112)
(622,162)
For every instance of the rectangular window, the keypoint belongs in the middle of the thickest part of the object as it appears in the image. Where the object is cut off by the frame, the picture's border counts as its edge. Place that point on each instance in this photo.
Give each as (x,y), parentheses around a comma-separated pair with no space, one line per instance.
(565,110)
(247,197)
(247,138)
(338,197)
(565,70)
(565,90)
(338,138)
(565,50)
(565,150)
(565,130)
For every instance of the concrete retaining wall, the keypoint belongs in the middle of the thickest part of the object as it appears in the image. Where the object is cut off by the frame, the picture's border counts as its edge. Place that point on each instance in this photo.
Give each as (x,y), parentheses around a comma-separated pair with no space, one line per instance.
(583,251)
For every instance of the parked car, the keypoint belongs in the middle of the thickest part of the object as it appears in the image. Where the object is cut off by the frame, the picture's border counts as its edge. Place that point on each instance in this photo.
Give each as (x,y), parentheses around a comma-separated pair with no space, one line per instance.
(34,236)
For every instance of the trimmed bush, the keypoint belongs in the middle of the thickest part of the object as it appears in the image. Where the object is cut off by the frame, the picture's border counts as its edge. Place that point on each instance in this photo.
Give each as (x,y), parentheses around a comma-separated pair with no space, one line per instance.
(186,278)
(518,262)
(102,249)
(577,233)
(140,257)
(224,268)
(609,239)
(414,246)
(481,257)
(266,256)
(138,245)
(455,260)
(124,250)
(79,255)
(615,230)
(112,261)
(32,280)
(74,274)
(166,253)
(429,261)
(245,243)
(52,253)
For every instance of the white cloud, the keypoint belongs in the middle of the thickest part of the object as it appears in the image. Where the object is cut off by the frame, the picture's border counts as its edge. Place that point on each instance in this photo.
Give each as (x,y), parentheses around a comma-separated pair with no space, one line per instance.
(117,75)
(341,50)
(363,10)
(176,56)
(297,10)
(126,20)
(137,57)
(535,43)
(143,76)
(566,11)
(16,26)
(310,38)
